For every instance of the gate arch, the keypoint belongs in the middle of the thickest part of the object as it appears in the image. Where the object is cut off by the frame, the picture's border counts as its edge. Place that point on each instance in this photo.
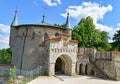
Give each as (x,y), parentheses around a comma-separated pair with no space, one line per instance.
(63,64)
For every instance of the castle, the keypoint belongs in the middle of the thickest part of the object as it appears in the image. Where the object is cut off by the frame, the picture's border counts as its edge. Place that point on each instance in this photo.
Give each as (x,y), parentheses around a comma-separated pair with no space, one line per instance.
(45,49)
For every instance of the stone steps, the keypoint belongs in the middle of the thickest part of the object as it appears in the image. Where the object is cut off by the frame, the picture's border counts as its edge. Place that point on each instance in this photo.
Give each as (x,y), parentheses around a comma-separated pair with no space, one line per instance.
(100,73)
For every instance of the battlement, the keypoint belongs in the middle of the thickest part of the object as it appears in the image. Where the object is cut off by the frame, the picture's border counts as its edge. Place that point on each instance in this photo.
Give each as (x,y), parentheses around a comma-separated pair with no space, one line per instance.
(87,51)
(93,53)
(103,55)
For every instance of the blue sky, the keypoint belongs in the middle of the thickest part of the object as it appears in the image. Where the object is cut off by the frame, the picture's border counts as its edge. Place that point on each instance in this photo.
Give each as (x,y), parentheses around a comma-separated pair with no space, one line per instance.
(106,14)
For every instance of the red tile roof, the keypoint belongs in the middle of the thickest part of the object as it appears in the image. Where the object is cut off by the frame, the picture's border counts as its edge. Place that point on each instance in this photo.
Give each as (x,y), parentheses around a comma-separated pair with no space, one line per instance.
(115,52)
(75,41)
(52,38)
(6,65)
(63,34)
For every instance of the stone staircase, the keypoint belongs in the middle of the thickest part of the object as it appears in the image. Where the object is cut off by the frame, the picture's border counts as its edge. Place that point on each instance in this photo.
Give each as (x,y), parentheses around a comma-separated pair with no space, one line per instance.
(92,62)
(99,72)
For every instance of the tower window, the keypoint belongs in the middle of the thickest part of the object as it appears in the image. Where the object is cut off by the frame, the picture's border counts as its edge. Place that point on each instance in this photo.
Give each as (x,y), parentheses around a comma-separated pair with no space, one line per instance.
(33,35)
(45,36)
(57,34)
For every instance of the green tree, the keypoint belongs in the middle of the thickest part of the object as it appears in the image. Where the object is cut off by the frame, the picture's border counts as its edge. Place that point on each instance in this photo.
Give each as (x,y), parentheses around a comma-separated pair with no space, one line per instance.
(88,36)
(60,25)
(84,32)
(5,55)
(104,44)
(116,39)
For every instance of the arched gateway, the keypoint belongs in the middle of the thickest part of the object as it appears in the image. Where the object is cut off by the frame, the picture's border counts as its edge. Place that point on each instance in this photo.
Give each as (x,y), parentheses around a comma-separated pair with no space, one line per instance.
(63,64)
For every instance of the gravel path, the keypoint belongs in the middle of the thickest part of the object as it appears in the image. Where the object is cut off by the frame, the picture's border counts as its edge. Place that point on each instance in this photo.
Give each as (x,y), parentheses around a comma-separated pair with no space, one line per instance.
(71,80)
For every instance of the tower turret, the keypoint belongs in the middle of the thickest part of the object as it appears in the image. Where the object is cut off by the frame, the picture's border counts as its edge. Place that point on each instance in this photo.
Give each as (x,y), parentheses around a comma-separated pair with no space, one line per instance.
(43,20)
(67,25)
(15,20)
(13,30)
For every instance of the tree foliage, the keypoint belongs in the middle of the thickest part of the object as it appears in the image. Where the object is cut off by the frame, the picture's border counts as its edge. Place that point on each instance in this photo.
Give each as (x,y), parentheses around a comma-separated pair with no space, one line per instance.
(5,56)
(58,25)
(88,36)
(116,39)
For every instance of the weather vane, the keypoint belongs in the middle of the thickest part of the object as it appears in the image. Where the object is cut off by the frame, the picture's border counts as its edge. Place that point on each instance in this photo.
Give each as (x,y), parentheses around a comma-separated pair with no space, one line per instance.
(44,8)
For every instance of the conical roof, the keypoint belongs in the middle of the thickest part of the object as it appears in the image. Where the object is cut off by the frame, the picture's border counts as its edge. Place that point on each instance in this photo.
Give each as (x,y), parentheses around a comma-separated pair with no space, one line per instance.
(15,20)
(67,25)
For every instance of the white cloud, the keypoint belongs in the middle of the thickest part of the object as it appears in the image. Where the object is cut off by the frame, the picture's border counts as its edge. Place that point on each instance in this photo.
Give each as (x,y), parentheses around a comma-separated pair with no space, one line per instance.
(52,2)
(59,1)
(103,27)
(94,10)
(118,24)
(4,28)
(110,30)
(4,39)
(4,36)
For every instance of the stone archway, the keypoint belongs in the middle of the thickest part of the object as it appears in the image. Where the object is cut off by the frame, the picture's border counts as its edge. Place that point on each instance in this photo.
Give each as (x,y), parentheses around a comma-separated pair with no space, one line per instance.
(92,72)
(63,65)
(59,66)
(81,69)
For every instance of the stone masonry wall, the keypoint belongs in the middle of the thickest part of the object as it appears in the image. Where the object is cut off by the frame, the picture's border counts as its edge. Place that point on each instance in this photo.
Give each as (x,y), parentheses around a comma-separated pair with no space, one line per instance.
(116,60)
(108,67)
(4,69)
(68,53)
(28,50)
(107,62)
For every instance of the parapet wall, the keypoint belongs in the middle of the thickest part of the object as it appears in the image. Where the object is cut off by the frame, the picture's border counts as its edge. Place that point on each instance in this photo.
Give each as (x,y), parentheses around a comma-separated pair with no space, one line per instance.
(107,62)
(87,51)
(4,69)
(103,55)
(93,53)
(116,61)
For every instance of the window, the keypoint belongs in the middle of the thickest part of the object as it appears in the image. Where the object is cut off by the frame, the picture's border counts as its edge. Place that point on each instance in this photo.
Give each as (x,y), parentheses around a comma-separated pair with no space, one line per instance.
(33,35)
(45,36)
(57,34)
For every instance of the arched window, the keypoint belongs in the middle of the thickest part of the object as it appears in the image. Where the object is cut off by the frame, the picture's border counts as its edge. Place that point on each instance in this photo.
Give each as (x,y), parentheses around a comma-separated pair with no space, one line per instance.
(33,35)
(57,34)
(23,34)
(45,36)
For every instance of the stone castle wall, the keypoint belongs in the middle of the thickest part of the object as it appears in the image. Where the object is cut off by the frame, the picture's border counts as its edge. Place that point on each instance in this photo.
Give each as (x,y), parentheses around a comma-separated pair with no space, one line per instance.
(30,51)
(68,53)
(93,53)
(116,60)
(4,69)
(28,48)
(107,62)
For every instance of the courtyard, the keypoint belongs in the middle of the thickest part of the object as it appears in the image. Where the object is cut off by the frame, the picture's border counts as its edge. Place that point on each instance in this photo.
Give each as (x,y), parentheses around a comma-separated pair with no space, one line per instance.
(63,79)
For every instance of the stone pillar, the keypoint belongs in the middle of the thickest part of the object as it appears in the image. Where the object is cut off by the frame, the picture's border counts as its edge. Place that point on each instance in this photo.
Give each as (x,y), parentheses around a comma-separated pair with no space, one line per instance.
(83,69)
(77,68)
(51,71)
(73,72)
